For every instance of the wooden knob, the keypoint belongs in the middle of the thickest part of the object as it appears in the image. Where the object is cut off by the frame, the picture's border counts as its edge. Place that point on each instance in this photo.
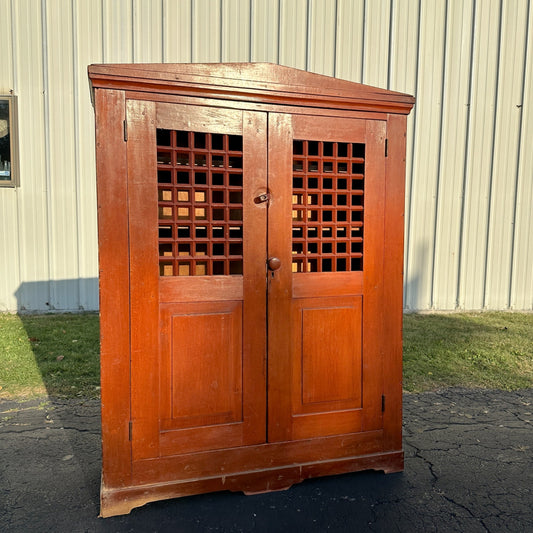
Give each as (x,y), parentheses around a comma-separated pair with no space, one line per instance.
(273,263)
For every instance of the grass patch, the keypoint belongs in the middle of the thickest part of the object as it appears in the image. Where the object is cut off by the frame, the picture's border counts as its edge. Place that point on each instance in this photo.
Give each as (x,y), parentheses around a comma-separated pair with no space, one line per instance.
(58,355)
(489,350)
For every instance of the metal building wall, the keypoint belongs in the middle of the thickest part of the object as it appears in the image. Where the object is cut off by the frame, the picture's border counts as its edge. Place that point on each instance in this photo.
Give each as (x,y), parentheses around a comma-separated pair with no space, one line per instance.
(469,227)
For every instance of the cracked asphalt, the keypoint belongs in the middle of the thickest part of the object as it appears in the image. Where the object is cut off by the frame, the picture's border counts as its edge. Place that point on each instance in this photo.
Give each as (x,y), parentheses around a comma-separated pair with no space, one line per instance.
(468,467)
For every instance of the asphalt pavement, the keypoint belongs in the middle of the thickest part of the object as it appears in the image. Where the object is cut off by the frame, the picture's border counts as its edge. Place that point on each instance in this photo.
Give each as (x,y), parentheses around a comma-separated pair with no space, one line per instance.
(468,468)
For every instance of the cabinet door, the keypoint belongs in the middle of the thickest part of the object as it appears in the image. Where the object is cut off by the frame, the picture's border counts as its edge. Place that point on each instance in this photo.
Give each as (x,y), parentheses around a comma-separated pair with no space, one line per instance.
(326,226)
(197,274)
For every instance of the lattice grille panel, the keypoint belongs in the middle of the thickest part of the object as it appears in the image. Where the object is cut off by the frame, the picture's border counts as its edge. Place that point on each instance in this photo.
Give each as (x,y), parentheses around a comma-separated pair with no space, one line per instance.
(327,206)
(200,203)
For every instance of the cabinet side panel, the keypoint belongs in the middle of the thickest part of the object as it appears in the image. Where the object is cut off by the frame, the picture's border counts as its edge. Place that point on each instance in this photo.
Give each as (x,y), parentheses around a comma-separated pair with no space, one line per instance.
(114,286)
(393,281)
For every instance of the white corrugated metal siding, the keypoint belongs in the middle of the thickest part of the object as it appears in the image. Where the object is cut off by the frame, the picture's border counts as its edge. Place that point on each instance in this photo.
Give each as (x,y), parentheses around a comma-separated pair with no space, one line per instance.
(469,190)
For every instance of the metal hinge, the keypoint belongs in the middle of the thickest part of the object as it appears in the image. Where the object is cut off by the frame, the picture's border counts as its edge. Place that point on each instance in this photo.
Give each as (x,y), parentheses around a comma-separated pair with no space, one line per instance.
(125,130)
(382,403)
(386,147)
(130,430)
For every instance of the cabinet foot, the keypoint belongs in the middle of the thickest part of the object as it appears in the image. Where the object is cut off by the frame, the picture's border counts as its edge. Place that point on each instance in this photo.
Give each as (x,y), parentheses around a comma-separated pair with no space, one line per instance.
(119,501)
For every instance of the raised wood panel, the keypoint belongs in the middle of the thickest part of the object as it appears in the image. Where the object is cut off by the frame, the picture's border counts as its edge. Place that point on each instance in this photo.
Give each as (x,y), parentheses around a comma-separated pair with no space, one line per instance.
(202,390)
(327,385)
(328,353)
(204,351)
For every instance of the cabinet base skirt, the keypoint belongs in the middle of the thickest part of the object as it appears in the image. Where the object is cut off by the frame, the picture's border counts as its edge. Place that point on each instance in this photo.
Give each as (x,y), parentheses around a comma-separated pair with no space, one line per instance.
(119,501)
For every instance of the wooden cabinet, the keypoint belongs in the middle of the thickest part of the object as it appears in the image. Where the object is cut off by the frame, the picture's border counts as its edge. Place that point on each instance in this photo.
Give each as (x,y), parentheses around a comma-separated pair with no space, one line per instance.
(251,246)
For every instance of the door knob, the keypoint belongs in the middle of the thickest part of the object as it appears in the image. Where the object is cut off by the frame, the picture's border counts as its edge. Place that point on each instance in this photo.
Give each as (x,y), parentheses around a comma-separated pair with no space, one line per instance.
(273,263)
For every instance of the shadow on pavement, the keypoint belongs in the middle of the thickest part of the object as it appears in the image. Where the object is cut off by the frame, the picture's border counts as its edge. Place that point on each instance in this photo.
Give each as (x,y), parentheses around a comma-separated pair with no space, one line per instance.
(468,467)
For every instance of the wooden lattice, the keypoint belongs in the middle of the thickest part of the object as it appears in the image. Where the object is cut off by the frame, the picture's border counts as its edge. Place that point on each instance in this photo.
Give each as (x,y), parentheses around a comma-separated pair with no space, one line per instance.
(200,203)
(327,210)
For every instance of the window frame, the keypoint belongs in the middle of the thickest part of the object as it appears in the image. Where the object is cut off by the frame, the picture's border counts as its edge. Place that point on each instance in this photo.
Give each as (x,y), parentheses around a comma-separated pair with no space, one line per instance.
(13,181)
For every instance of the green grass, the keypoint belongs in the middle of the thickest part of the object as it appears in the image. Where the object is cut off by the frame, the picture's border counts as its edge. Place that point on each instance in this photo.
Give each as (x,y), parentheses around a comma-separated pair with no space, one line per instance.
(57,355)
(489,350)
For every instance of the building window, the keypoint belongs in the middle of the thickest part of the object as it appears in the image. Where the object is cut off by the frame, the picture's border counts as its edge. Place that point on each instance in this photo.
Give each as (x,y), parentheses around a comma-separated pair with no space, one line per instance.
(8,166)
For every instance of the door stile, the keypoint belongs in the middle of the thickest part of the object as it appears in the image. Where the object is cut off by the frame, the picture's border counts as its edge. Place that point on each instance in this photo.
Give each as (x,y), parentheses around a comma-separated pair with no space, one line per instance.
(254,291)
(144,278)
(373,307)
(279,281)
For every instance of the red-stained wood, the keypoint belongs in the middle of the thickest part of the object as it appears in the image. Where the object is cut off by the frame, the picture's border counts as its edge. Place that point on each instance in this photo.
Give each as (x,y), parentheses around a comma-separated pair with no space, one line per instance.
(258,105)
(278,85)
(201,348)
(327,335)
(265,456)
(144,278)
(186,374)
(393,280)
(263,76)
(374,252)
(331,347)
(114,287)
(187,289)
(176,116)
(122,501)
(255,166)
(313,284)
(328,129)
(279,282)
(204,388)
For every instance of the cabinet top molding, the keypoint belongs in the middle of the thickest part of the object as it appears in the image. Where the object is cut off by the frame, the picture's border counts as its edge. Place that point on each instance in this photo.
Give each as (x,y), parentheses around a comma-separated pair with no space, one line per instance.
(260,83)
